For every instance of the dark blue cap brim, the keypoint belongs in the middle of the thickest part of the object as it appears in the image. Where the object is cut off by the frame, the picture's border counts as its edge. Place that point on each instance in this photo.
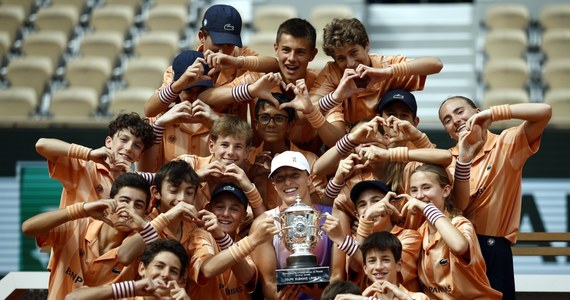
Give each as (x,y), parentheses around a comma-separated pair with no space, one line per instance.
(204,83)
(220,38)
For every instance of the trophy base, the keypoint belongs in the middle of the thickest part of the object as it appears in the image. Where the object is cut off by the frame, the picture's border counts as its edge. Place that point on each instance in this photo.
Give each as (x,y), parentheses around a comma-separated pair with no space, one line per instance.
(312,275)
(301,261)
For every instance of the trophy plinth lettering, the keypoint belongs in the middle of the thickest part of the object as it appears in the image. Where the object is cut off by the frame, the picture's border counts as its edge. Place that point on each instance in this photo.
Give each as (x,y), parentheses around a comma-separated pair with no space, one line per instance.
(300,233)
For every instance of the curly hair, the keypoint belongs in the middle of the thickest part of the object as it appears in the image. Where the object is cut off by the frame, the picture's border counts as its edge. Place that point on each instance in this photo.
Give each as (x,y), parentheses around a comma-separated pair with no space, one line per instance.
(341,32)
(138,126)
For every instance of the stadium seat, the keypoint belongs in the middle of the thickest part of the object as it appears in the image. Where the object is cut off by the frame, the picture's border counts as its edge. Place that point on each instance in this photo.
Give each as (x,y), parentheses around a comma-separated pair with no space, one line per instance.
(321,15)
(11,18)
(262,43)
(117,18)
(17,102)
(102,43)
(167,18)
(514,16)
(26,5)
(267,18)
(5,44)
(129,100)
(45,43)
(505,96)
(91,72)
(34,72)
(560,101)
(134,5)
(145,72)
(506,73)
(57,18)
(172,2)
(556,43)
(557,73)
(74,102)
(78,5)
(554,16)
(505,43)
(157,44)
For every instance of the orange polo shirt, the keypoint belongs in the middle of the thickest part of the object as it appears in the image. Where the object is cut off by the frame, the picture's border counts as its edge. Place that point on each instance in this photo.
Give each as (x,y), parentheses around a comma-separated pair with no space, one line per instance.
(224,286)
(363,105)
(495,184)
(77,261)
(180,139)
(271,198)
(444,275)
(82,180)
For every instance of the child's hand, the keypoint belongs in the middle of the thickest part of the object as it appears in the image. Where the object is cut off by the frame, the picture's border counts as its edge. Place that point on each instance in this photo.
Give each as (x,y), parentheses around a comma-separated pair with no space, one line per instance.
(177,292)
(333,229)
(211,224)
(413,205)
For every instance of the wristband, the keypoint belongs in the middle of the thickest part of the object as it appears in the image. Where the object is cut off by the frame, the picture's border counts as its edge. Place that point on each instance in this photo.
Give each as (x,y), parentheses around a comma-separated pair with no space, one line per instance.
(327,103)
(344,146)
(148,176)
(123,289)
(462,170)
(349,246)
(422,142)
(149,234)
(501,112)
(78,151)
(160,222)
(241,93)
(332,190)
(432,213)
(167,95)
(364,227)
(399,154)
(241,249)
(158,133)
(225,242)
(400,69)
(254,198)
(250,63)
(76,211)
(316,118)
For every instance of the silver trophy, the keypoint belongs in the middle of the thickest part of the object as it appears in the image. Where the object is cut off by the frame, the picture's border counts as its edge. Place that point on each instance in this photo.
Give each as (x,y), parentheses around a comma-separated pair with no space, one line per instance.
(300,232)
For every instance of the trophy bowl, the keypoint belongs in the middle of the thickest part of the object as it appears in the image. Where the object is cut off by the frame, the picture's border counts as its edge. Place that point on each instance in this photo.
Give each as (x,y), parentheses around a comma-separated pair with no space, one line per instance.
(300,232)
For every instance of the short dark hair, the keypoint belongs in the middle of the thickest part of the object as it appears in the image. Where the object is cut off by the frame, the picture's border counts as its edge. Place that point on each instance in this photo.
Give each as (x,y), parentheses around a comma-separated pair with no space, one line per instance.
(298,28)
(282,99)
(171,246)
(133,180)
(340,287)
(175,172)
(382,240)
(138,126)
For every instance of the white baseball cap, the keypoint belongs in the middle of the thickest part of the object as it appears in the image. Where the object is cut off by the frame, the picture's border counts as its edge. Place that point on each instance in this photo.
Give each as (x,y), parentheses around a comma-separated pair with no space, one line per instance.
(289,159)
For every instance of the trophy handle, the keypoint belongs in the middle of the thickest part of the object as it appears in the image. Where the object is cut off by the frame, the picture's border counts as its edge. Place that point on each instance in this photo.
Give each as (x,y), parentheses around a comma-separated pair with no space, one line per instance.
(278,220)
(320,217)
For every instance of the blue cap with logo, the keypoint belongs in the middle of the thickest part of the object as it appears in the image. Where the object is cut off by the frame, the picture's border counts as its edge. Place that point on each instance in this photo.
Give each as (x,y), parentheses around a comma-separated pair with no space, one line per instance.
(223,23)
(231,189)
(398,95)
(360,187)
(185,59)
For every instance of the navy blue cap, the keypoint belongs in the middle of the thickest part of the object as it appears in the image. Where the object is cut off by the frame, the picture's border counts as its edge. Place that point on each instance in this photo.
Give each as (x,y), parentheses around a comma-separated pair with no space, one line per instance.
(403,96)
(232,189)
(185,59)
(223,23)
(358,188)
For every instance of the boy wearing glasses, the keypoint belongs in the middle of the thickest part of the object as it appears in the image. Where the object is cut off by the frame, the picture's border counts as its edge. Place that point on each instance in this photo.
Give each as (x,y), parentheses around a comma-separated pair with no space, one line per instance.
(273,127)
